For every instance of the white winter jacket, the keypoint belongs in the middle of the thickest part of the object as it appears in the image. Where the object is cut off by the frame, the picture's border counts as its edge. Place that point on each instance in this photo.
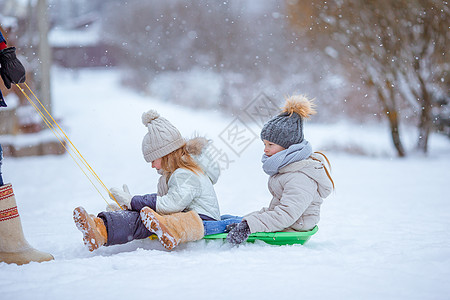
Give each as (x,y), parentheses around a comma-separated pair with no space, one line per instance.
(189,191)
(297,190)
(185,190)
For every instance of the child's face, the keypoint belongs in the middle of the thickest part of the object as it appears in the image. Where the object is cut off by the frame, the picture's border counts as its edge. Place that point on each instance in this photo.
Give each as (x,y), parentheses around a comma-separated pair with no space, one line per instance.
(271,148)
(157,164)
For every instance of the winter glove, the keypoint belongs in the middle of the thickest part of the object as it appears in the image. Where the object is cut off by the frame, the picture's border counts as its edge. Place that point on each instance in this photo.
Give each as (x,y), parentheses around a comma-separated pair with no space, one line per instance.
(230,227)
(122,197)
(112,207)
(239,233)
(12,70)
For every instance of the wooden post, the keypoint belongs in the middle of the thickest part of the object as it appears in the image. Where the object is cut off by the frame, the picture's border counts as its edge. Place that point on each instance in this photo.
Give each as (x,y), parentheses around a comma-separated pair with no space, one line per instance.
(45,57)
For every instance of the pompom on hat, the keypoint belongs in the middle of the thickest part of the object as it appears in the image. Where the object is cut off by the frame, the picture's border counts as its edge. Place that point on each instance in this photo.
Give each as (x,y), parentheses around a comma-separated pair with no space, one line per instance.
(162,137)
(286,129)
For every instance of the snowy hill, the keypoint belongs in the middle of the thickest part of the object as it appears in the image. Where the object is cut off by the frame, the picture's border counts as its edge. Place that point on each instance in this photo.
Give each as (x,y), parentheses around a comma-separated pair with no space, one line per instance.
(384,233)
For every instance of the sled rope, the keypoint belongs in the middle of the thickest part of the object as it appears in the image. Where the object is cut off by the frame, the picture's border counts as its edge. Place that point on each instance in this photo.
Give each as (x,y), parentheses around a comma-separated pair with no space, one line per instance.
(66,141)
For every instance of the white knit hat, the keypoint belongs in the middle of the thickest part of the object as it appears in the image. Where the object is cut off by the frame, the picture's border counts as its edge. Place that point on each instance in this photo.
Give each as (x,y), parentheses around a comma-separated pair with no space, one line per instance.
(162,137)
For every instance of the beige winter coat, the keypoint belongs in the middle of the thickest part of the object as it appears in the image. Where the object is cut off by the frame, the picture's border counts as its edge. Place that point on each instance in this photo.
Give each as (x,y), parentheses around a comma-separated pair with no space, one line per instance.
(297,190)
(186,191)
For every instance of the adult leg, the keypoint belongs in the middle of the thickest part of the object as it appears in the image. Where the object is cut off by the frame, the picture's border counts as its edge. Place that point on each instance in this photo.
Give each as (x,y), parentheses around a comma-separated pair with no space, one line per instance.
(14,248)
(1,159)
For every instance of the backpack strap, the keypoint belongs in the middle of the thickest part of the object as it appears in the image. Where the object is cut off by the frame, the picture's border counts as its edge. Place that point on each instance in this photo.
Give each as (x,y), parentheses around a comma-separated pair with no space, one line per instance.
(329,165)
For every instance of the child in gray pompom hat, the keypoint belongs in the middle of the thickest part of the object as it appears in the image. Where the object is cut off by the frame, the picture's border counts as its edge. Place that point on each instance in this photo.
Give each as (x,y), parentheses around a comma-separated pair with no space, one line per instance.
(299,180)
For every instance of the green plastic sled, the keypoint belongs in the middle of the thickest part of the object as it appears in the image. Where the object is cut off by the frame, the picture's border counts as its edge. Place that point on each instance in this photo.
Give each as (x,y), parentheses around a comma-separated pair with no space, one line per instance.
(273,238)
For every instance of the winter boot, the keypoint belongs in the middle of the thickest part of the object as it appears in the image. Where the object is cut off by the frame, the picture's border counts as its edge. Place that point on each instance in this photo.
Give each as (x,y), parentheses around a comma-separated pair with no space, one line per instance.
(14,249)
(173,229)
(92,227)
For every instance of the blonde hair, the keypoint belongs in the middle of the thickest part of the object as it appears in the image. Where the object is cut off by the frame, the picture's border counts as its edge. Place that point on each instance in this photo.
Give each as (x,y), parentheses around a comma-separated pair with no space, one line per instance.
(179,158)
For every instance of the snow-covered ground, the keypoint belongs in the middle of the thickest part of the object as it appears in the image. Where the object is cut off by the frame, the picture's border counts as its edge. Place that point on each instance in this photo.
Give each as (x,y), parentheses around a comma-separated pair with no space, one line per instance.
(384,233)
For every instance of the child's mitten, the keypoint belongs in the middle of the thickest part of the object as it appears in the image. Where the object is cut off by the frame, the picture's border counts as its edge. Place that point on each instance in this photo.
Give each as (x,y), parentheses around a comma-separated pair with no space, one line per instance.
(112,207)
(122,197)
(239,233)
(230,227)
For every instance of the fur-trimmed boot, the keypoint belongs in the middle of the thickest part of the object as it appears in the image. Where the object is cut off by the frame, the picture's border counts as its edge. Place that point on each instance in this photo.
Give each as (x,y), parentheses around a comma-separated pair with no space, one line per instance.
(93,228)
(14,249)
(173,229)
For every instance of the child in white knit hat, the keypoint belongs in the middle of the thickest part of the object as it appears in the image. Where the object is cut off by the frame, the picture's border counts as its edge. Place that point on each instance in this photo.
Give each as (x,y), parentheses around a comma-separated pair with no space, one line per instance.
(185,197)
(298,178)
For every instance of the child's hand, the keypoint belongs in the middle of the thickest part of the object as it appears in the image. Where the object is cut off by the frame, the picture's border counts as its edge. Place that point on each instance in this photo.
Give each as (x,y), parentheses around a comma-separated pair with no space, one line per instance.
(122,197)
(112,207)
(230,227)
(239,233)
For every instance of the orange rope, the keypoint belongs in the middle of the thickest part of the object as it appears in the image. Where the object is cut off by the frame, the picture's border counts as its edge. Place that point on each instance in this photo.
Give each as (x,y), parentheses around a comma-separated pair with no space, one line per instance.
(64,140)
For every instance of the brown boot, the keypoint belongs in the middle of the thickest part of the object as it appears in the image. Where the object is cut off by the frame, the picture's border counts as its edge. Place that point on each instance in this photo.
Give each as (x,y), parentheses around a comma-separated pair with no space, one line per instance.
(14,249)
(173,229)
(93,228)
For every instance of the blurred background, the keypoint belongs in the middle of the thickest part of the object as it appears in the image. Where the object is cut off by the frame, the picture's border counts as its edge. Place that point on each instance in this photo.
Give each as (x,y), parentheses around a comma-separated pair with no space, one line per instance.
(366,61)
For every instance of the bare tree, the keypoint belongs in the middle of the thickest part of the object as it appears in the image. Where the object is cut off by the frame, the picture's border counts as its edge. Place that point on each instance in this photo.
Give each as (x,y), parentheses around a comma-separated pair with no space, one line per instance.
(243,48)
(397,47)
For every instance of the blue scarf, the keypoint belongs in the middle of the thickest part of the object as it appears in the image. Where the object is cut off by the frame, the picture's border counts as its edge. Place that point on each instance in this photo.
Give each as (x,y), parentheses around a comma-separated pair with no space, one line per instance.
(295,152)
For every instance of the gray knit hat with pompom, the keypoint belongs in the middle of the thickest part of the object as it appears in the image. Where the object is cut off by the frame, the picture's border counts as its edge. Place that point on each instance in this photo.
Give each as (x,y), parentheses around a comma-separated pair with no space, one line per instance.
(286,129)
(162,137)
